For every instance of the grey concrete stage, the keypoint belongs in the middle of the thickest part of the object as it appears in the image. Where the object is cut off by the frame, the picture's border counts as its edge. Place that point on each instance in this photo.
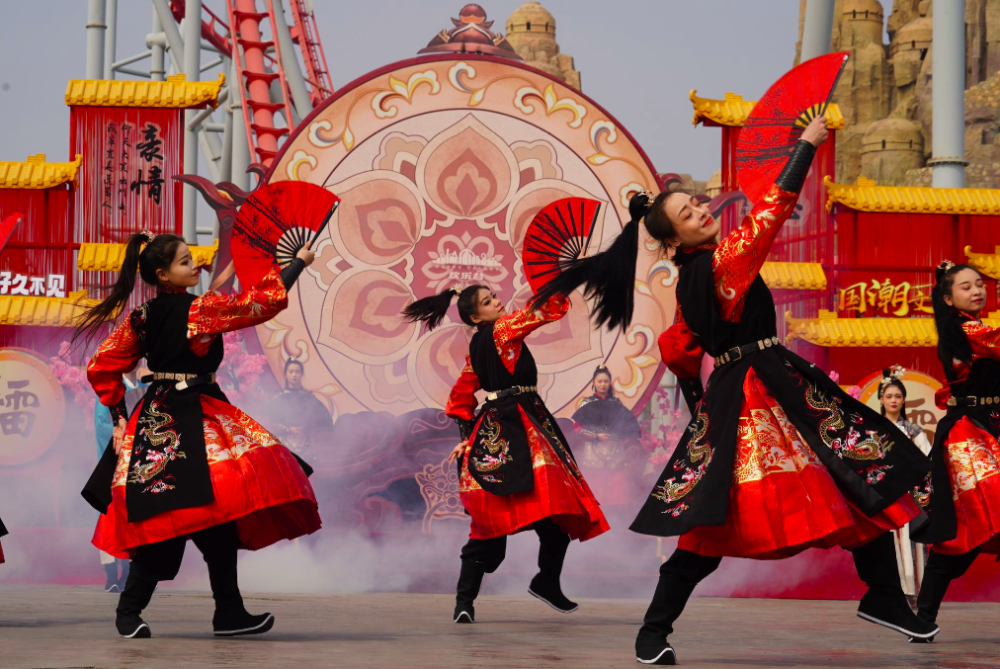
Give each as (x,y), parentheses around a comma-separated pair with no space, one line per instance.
(55,626)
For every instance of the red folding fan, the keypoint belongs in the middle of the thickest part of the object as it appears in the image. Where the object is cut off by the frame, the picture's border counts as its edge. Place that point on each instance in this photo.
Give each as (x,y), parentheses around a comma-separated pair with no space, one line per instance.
(274,223)
(559,233)
(778,119)
(7,227)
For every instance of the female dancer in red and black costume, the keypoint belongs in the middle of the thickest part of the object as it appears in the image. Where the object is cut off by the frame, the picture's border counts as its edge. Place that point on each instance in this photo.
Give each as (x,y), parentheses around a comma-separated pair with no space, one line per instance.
(187,463)
(964,508)
(3,531)
(777,458)
(515,466)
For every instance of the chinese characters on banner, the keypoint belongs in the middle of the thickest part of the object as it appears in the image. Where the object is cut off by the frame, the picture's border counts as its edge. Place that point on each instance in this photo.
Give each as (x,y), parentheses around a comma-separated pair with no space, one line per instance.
(54,285)
(32,407)
(129,157)
(885,298)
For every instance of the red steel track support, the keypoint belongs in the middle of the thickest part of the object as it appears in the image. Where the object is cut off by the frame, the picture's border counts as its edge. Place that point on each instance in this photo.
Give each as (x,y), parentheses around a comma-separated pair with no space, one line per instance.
(306,36)
(255,89)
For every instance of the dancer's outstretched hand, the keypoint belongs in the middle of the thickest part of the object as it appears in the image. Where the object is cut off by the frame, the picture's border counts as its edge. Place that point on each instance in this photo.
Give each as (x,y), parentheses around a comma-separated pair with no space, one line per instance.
(816,132)
(306,254)
(458,451)
(118,436)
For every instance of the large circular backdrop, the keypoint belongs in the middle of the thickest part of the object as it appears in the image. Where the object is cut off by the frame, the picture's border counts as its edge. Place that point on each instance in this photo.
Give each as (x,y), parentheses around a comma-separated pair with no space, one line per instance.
(441,163)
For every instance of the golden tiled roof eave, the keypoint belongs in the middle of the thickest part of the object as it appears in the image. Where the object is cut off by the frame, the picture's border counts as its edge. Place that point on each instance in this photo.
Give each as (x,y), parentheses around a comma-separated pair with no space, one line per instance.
(34,173)
(99,257)
(733,111)
(174,93)
(865,196)
(985,263)
(830,331)
(794,276)
(43,311)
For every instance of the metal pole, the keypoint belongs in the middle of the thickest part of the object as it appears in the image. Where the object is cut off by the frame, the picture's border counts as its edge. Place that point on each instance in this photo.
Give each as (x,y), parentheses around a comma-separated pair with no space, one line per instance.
(948,91)
(192,71)
(109,41)
(169,27)
(157,70)
(95,39)
(818,28)
(241,149)
(293,73)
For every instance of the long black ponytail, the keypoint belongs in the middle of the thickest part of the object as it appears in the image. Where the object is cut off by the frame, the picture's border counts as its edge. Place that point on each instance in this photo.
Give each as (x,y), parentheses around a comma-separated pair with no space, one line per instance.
(952,342)
(139,261)
(432,310)
(609,276)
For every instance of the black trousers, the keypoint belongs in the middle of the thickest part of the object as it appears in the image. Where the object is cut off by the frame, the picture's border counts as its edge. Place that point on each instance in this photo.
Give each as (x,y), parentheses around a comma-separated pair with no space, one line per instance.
(940,571)
(489,554)
(681,573)
(161,562)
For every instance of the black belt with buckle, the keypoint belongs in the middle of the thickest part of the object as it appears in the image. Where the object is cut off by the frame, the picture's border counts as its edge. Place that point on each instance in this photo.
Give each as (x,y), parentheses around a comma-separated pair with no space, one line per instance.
(513,390)
(184,381)
(739,352)
(972,401)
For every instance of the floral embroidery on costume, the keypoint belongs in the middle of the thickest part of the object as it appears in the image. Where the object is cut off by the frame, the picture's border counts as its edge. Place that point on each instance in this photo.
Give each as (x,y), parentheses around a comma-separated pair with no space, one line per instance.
(214,313)
(509,332)
(851,445)
(739,257)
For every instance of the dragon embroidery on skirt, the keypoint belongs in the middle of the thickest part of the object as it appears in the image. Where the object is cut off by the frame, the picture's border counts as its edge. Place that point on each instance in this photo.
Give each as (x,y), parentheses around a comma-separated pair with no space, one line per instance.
(553,436)
(163,447)
(873,447)
(699,456)
(497,448)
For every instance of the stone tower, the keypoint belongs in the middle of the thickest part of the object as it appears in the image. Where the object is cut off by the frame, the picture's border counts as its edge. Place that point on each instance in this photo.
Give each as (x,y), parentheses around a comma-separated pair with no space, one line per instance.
(885,93)
(531,30)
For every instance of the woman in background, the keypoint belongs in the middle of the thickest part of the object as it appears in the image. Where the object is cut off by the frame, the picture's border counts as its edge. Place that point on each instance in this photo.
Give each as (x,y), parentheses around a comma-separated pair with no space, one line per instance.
(892,399)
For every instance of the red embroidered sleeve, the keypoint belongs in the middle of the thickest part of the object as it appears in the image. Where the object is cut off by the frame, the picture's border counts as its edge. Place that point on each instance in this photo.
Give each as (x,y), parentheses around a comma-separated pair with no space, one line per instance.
(509,332)
(462,400)
(117,355)
(213,312)
(680,350)
(739,257)
(984,340)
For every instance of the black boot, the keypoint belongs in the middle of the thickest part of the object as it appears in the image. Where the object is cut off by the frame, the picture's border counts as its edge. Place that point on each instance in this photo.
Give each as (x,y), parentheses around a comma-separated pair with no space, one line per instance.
(669,599)
(134,598)
(469,581)
(111,583)
(553,543)
(941,570)
(231,617)
(884,603)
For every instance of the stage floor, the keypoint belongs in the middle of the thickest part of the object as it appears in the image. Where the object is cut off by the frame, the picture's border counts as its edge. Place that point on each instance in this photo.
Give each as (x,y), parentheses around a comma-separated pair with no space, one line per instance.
(54,626)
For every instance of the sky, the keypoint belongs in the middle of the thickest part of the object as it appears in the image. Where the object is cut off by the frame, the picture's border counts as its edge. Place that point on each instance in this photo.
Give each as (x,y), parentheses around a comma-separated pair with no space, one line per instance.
(638,58)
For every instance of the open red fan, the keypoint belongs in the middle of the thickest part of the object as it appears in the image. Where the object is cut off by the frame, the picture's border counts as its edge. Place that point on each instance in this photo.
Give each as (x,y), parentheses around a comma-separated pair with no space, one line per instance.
(559,233)
(7,227)
(274,223)
(778,119)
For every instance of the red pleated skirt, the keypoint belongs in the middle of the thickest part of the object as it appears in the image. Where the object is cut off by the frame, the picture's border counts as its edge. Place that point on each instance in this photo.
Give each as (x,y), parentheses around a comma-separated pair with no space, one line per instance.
(257,482)
(558,493)
(1,554)
(782,500)
(973,460)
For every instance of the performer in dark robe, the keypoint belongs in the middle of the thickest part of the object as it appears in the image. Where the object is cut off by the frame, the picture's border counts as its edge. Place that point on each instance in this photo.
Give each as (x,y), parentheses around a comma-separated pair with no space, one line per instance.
(295,415)
(962,495)
(609,431)
(3,532)
(516,470)
(777,458)
(187,463)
